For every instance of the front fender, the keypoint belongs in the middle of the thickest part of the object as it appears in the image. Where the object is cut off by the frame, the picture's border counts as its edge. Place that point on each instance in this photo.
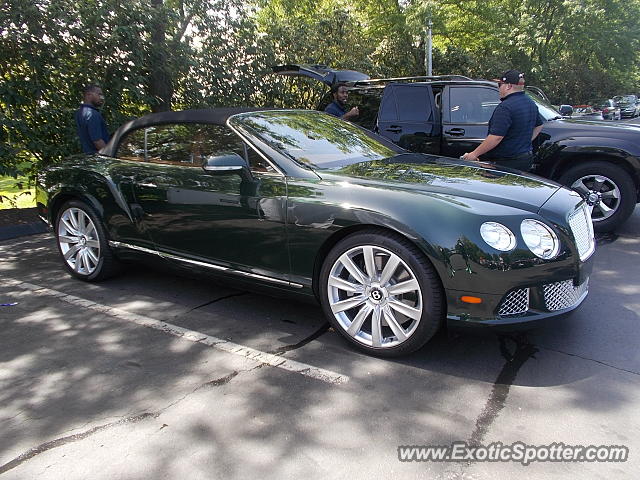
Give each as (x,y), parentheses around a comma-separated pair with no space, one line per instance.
(555,157)
(444,227)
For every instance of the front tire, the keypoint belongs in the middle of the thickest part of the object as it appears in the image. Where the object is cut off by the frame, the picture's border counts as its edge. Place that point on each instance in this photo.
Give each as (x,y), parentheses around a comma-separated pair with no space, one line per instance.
(381,293)
(83,244)
(607,188)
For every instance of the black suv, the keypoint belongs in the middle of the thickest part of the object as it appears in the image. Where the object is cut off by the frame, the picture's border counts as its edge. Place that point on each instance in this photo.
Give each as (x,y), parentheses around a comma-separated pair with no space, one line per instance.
(449,115)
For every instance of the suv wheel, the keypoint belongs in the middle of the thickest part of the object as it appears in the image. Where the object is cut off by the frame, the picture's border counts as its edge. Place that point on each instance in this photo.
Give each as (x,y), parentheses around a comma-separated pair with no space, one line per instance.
(607,188)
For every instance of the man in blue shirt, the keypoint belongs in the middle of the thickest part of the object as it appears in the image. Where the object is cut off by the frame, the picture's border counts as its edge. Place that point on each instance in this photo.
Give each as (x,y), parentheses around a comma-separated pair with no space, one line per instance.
(338,108)
(515,123)
(92,130)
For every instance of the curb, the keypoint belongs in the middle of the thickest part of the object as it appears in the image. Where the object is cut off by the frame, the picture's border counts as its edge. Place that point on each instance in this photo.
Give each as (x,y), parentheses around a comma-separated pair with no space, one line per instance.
(14,231)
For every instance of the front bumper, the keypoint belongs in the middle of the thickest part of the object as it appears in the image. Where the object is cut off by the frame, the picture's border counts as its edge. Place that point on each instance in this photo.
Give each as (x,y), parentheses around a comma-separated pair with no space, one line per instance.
(526,302)
(524,306)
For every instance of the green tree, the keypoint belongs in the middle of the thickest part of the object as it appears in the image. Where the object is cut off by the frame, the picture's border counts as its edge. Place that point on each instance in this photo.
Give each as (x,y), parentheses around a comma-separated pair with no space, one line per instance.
(148,55)
(575,49)
(155,55)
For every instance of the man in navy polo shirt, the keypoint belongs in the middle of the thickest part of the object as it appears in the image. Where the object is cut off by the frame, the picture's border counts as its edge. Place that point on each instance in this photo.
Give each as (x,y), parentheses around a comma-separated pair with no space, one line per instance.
(513,126)
(92,129)
(338,108)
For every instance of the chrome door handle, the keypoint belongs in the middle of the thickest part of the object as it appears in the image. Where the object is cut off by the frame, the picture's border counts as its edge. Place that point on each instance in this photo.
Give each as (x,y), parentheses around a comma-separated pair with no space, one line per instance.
(455,131)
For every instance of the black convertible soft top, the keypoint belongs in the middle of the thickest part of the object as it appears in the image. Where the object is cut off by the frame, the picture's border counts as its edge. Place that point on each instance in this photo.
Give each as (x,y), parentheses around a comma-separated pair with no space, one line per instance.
(216,116)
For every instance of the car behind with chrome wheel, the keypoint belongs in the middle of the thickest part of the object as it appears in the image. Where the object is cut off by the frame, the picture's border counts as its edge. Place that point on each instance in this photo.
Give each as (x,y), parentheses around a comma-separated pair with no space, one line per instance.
(391,244)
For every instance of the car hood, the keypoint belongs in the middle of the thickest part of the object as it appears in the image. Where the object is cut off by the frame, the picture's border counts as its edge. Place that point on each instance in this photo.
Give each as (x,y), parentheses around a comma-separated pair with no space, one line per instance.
(587,128)
(451,178)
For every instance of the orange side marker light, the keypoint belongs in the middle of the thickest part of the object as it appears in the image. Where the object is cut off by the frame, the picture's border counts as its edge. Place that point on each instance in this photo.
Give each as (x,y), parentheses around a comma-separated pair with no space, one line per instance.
(468,299)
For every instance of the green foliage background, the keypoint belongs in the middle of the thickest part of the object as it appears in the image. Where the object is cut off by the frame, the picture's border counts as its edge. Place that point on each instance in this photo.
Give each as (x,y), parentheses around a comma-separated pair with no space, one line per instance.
(154,55)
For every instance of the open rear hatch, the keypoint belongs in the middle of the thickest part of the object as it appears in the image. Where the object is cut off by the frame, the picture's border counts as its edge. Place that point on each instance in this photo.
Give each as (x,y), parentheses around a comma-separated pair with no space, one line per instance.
(322,73)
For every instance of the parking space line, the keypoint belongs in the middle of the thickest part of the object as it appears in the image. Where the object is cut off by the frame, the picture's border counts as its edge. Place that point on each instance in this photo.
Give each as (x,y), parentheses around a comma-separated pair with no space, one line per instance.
(191,335)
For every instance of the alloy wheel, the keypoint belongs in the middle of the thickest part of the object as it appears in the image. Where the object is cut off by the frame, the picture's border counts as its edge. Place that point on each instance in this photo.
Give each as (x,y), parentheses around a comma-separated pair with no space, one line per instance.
(374,296)
(601,194)
(78,241)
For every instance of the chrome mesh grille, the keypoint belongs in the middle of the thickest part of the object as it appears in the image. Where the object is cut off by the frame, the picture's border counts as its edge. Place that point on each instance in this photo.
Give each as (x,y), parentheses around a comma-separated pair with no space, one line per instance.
(563,294)
(582,229)
(515,302)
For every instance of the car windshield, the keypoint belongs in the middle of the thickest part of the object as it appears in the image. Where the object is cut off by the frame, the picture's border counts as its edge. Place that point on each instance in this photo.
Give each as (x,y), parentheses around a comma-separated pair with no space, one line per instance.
(624,99)
(312,138)
(546,109)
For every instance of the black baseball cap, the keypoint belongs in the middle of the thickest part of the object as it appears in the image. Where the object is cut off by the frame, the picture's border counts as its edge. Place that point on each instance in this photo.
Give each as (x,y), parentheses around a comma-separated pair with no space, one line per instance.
(511,76)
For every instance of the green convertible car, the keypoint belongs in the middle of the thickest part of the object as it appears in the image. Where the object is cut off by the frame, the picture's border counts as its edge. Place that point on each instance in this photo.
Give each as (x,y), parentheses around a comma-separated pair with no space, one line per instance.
(391,244)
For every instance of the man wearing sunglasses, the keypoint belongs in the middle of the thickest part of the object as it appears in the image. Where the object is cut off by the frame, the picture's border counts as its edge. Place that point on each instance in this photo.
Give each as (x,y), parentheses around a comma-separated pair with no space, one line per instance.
(513,126)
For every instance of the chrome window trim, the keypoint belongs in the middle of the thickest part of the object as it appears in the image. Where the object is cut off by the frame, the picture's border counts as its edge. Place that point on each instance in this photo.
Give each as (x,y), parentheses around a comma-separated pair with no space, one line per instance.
(244,138)
(146,143)
(213,266)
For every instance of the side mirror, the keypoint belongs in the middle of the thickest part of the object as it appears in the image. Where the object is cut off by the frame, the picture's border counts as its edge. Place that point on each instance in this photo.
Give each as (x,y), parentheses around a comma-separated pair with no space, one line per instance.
(225,162)
(566,110)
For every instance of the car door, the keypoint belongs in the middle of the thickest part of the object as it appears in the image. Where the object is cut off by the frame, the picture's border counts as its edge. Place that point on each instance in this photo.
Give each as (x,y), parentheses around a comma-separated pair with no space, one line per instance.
(465,117)
(232,219)
(409,118)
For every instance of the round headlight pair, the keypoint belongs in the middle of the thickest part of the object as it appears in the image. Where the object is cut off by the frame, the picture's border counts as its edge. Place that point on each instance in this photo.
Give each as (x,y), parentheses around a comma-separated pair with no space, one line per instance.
(541,240)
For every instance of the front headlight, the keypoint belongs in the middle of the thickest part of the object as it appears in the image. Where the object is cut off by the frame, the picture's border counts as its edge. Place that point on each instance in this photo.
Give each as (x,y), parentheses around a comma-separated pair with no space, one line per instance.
(540,239)
(498,236)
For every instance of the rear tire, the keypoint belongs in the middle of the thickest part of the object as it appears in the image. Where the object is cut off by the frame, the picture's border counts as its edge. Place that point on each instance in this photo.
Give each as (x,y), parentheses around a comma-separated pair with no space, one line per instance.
(381,293)
(608,188)
(83,244)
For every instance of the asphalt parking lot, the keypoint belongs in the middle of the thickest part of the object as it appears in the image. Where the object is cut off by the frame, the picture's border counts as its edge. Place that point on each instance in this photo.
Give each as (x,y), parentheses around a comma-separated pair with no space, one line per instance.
(151,375)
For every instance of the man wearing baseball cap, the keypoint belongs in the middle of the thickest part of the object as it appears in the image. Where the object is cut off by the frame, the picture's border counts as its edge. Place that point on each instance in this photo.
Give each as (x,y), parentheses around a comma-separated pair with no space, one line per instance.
(513,126)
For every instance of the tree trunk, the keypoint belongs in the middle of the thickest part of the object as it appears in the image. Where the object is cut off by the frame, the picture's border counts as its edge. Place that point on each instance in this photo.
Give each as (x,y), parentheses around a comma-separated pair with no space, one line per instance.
(160,80)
